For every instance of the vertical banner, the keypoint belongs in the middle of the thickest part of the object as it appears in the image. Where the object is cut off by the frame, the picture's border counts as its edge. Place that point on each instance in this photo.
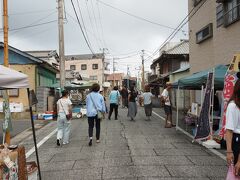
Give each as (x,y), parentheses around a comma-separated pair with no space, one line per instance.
(7,124)
(229,82)
(203,122)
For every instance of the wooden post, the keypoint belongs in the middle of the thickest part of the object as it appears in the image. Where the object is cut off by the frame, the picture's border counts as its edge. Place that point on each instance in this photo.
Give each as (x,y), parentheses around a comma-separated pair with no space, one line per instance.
(5,30)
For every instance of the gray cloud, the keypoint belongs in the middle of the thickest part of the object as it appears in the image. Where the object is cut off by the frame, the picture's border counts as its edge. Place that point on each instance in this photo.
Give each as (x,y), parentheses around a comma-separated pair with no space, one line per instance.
(122,33)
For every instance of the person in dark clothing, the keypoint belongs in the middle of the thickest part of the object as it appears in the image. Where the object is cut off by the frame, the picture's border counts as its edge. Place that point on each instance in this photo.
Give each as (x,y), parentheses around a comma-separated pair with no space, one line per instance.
(124,94)
(132,105)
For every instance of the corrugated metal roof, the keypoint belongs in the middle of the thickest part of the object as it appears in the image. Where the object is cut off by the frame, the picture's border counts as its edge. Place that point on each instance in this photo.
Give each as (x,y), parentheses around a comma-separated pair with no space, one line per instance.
(181,48)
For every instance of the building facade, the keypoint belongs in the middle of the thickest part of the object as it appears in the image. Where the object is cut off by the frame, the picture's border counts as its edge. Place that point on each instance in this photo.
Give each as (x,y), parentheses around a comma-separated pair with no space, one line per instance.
(40,73)
(170,60)
(89,66)
(213,33)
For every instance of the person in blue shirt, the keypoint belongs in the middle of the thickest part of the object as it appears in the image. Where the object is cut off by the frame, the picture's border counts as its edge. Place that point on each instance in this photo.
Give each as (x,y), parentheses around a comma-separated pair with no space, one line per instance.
(114,99)
(94,102)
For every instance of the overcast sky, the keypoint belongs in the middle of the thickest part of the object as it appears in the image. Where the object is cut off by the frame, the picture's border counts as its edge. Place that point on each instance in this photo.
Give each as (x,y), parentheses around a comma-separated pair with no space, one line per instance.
(106,27)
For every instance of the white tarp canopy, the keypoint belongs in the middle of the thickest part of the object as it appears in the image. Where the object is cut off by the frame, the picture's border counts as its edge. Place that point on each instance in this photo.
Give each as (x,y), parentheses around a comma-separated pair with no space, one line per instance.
(11,79)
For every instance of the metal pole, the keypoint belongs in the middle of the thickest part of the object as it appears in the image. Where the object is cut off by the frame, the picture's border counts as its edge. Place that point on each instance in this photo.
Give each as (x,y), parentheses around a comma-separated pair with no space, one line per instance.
(61,43)
(6,63)
(34,135)
(177,107)
(113,72)
(143,83)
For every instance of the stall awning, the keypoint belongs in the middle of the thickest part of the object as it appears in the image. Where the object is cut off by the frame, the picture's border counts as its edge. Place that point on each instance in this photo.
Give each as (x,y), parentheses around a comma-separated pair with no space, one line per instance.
(196,80)
(11,79)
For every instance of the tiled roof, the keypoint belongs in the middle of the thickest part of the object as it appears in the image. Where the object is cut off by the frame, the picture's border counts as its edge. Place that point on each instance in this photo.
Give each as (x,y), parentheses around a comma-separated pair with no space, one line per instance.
(181,48)
(84,57)
(181,69)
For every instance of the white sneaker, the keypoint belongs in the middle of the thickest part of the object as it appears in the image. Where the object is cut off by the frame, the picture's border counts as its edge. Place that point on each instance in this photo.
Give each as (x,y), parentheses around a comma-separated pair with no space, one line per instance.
(65,143)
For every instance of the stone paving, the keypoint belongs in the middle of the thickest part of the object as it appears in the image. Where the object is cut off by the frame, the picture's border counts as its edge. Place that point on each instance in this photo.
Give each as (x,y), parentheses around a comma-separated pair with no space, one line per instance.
(128,150)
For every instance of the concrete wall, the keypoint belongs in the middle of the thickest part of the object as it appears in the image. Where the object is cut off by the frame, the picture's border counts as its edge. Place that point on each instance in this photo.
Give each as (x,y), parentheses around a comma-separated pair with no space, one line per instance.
(217,50)
(89,72)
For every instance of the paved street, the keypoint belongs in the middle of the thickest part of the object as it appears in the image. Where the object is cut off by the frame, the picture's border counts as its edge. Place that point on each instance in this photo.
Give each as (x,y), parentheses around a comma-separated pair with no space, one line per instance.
(128,150)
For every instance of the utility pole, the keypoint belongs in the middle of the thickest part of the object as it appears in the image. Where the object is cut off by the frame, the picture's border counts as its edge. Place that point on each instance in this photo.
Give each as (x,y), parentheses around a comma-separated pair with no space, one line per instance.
(143,78)
(128,76)
(5,30)
(61,44)
(113,72)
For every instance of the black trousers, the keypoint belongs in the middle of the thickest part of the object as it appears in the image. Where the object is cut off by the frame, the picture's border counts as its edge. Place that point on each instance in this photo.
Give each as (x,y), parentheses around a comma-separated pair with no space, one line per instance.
(236,146)
(115,107)
(91,121)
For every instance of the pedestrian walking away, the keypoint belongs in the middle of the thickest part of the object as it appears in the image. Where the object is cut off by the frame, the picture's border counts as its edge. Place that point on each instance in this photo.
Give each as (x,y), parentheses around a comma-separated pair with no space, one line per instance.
(147,101)
(233,128)
(124,94)
(114,99)
(167,105)
(64,108)
(95,106)
(132,105)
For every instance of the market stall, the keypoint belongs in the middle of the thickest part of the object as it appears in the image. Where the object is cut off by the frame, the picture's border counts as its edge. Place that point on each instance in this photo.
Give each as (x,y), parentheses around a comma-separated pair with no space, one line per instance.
(187,118)
(78,92)
(11,79)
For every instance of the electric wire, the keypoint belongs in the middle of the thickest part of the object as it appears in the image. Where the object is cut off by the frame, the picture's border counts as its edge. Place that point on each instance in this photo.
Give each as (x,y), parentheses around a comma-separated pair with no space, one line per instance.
(30,12)
(91,23)
(90,48)
(182,23)
(84,27)
(33,24)
(101,25)
(137,17)
(96,24)
(75,21)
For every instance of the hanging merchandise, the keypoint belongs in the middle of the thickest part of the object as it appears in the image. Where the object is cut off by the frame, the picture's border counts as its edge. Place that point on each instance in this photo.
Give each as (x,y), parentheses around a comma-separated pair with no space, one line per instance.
(229,82)
(203,125)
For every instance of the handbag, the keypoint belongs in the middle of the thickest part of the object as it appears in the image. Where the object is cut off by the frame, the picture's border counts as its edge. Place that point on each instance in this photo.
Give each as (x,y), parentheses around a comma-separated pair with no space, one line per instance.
(230,173)
(99,113)
(68,116)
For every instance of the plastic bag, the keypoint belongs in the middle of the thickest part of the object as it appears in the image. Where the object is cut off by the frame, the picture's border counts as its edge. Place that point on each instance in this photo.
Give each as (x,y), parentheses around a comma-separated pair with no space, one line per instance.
(230,173)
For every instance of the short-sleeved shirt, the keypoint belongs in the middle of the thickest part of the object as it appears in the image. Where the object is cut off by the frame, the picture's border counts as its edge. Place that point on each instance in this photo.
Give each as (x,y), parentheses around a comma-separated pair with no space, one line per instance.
(147,98)
(165,94)
(114,97)
(233,118)
(63,105)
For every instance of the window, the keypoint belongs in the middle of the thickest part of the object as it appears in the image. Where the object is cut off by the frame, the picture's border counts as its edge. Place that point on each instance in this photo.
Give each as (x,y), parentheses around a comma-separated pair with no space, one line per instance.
(95,66)
(196,2)
(220,15)
(72,67)
(93,77)
(83,67)
(232,8)
(204,33)
(11,93)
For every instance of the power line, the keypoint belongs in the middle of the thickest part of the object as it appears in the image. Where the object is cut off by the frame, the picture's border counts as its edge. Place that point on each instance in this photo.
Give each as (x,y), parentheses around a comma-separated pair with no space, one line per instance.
(183,23)
(33,24)
(40,24)
(30,12)
(101,25)
(80,12)
(87,30)
(137,17)
(95,20)
(90,48)
(91,23)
